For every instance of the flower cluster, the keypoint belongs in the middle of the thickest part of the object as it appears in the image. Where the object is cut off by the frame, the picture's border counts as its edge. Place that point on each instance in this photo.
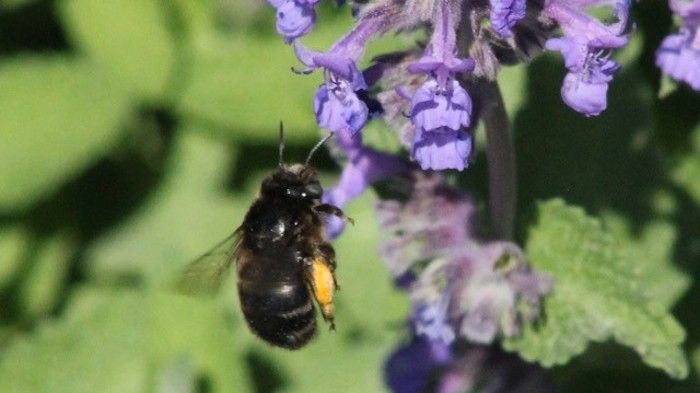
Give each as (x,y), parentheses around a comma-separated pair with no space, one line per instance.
(466,291)
(679,54)
(441,108)
(459,286)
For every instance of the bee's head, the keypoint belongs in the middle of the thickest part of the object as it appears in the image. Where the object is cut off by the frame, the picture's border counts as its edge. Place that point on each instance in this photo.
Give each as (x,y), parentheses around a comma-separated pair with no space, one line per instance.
(297,181)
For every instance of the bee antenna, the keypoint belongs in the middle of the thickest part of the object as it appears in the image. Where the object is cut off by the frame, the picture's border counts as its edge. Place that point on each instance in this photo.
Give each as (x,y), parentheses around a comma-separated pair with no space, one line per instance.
(281,151)
(318,145)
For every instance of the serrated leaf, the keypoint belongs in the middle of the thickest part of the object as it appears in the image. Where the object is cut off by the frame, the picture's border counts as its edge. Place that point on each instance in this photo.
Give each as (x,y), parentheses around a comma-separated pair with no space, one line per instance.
(652,252)
(58,116)
(597,295)
(129,39)
(115,341)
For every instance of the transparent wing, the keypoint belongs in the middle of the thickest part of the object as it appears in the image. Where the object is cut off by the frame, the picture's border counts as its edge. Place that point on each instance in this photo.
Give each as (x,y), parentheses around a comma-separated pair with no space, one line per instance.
(205,274)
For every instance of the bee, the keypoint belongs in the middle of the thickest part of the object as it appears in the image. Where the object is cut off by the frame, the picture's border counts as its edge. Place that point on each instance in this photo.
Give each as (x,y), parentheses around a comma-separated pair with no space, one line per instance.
(283,260)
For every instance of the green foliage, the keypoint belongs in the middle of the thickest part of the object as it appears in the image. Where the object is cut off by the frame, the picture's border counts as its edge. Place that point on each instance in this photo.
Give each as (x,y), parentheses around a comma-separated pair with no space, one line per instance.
(118,341)
(134,135)
(687,172)
(45,278)
(44,141)
(601,291)
(129,39)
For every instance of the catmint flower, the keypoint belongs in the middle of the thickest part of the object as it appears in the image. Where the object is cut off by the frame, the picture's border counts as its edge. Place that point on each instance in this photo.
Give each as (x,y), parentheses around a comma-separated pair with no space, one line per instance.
(505,14)
(336,103)
(441,109)
(586,47)
(411,367)
(679,54)
(462,287)
(295,18)
(364,167)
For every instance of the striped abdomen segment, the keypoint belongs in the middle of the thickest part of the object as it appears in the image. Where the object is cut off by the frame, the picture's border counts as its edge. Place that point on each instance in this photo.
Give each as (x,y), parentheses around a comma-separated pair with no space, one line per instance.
(281,314)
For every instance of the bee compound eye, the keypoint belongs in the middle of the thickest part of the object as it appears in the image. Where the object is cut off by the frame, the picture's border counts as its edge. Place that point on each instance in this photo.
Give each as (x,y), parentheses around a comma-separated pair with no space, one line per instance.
(313,190)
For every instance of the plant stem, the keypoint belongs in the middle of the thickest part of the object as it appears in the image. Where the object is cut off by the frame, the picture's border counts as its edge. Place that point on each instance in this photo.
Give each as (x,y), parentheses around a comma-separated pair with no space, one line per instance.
(500,154)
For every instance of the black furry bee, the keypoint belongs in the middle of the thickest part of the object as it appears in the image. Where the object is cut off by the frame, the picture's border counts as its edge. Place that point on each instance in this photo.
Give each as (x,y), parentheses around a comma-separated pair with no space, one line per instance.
(283,261)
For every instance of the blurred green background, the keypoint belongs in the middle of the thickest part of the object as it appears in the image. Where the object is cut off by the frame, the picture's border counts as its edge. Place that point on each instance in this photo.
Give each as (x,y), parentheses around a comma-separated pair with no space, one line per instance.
(133,137)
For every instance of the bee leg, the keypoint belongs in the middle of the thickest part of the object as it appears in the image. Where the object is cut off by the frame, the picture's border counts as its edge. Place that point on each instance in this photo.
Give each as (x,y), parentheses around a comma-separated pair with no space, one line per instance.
(328,254)
(322,284)
(326,208)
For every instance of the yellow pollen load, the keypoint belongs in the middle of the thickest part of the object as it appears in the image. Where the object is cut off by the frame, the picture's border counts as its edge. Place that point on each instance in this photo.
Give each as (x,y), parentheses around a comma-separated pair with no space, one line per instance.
(324,286)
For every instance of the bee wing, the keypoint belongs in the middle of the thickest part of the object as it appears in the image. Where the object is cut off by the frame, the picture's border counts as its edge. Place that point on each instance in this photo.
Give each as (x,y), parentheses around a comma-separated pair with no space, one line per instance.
(205,274)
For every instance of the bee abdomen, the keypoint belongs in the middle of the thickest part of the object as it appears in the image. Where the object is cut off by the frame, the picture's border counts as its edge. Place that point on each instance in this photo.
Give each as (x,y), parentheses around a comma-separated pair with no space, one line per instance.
(282,315)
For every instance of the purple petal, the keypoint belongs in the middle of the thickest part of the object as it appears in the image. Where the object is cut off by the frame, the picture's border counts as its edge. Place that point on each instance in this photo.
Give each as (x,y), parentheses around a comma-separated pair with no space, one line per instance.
(276,3)
(586,92)
(442,149)
(365,167)
(678,58)
(294,19)
(305,55)
(339,109)
(574,51)
(686,9)
(430,321)
(433,108)
(409,369)
(505,14)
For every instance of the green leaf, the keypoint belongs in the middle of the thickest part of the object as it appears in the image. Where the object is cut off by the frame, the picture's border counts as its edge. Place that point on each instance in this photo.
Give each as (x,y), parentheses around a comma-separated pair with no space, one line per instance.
(113,342)
(183,218)
(243,83)
(129,39)
(598,295)
(40,291)
(652,252)
(58,116)
(10,4)
(14,246)
(687,172)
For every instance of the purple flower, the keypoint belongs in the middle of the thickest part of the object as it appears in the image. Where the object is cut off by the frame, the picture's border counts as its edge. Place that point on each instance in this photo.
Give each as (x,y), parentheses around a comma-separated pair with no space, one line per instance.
(505,14)
(295,18)
(442,148)
(336,103)
(337,106)
(441,109)
(487,298)
(462,287)
(411,367)
(679,54)
(586,46)
(434,221)
(365,166)
(435,107)
(585,86)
